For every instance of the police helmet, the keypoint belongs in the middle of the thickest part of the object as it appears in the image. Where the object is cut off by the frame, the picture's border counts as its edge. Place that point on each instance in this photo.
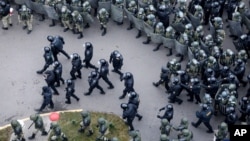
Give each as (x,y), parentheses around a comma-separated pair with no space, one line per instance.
(128,74)
(75,56)
(151,8)
(124,105)
(169,107)
(212,79)
(74,13)
(34,117)
(176,81)
(236,14)
(184,120)
(141,11)
(102,11)
(244,99)
(169,29)
(164,121)
(226,68)
(114,139)
(182,2)
(223,126)
(101,121)
(204,106)
(56,64)
(133,94)
(53,125)
(14,123)
(3,3)
(231,77)
(46,49)
(215,4)
(162,7)
(132,3)
(159,25)
(198,7)
(50,38)
(209,71)
(64,8)
(102,61)
(84,113)
(242,5)
(239,61)
(180,14)
(199,28)
(185,132)
(195,44)
(244,36)
(86,4)
(24,7)
(164,69)
(87,45)
(93,73)
(164,137)
(69,81)
(151,17)
(188,26)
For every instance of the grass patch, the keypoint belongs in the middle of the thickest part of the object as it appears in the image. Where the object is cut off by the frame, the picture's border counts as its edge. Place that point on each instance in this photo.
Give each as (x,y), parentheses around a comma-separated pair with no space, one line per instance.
(5,134)
(70,123)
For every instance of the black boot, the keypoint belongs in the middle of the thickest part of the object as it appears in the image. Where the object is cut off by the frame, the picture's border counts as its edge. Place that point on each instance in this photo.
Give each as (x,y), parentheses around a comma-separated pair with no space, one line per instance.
(101,28)
(53,23)
(80,35)
(23,139)
(90,133)
(158,46)
(39,72)
(65,29)
(81,130)
(86,26)
(42,18)
(104,31)
(44,133)
(32,136)
(147,41)
(181,58)
(155,84)
(130,26)
(138,34)
(170,52)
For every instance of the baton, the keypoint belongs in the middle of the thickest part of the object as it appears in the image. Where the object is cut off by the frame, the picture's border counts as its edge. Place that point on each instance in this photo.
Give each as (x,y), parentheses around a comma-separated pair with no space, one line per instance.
(31,125)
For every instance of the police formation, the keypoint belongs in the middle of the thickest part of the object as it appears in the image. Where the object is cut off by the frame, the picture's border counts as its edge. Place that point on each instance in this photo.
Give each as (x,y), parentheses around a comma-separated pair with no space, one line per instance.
(211,68)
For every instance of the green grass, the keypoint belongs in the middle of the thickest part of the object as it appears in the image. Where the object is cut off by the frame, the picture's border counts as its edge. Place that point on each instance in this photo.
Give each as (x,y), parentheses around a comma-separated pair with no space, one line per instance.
(70,123)
(5,134)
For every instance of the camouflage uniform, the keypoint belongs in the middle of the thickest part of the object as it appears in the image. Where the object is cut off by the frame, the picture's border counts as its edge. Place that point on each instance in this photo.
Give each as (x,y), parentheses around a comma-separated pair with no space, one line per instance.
(136,136)
(242,54)
(103,129)
(119,4)
(66,18)
(222,132)
(151,21)
(160,30)
(86,11)
(171,34)
(132,8)
(103,17)
(57,133)
(16,126)
(174,66)
(86,123)
(198,33)
(165,127)
(26,17)
(141,16)
(193,67)
(186,135)
(184,40)
(227,58)
(77,23)
(5,15)
(199,13)
(39,125)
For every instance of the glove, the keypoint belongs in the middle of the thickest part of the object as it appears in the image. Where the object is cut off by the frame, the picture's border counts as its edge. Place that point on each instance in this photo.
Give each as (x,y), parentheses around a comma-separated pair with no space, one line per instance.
(158,116)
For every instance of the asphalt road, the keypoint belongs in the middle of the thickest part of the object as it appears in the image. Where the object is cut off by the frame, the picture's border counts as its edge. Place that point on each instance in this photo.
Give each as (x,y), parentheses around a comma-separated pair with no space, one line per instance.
(21,56)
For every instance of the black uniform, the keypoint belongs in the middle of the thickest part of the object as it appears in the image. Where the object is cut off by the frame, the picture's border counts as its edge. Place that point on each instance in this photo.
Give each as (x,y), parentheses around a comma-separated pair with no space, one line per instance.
(104,71)
(193,90)
(58,73)
(128,83)
(244,108)
(239,71)
(117,62)
(48,59)
(88,54)
(56,44)
(134,99)
(129,113)
(212,86)
(207,10)
(169,112)
(204,117)
(175,90)
(222,5)
(76,66)
(93,83)
(215,9)
(70,90)
(164,78)
(191,6)
(163,14)
(232,5)
(50,80)
(47,99)
(248,90)
(231,116)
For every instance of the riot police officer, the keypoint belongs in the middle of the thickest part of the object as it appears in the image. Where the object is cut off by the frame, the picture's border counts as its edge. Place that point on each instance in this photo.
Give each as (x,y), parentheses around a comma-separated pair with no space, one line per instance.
(183,125)
(171,34)
(48,59)
(239,71)
(212,86)
(56,44)
(66,18)
(104,71)
(50,79)
(47,99)
(169,112)
(207,11)
(215,9)
(93,80)
(103,129)
(76,66)
(140,16)
(128,83)
(39,125)
(185,135)
(204,117)
(70,90)
(86,123)
(231,116)
(135,135)
(165,126)
(132,8)
(4,13)
(159,30)
(129,112)
(16,126)
(151,21)
(163,13)
(116,59)
(57,132)
(25,16)
(88,54)
(232,5)
(103,17)
(58,73)
(164,78)
(77,23)
(175,90)
(244,108)
(134,99)
(193,90)
(222,132)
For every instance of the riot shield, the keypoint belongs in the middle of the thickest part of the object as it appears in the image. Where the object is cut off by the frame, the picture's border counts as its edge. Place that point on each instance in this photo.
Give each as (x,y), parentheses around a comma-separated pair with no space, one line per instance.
(212,29)
(168,43)
(190,54)
(87,18)
(141,4)
(106,5)
(116,13)
(246,22)
(156,38)
(20,2)
(179,27)
(51,12)
(129,15)
(77,8)
(235,28)
(148,29)
(138,23)
(238,45)
(28,3)
(180,48)
(93,3)
(37,7)
(195,21)
(204,47)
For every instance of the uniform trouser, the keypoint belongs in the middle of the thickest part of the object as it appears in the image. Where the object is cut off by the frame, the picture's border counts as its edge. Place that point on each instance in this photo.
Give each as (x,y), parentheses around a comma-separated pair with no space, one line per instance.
(67,24)
(39,129)
(6,21)
(165,84)
(73,71)
(104,25)
(19,137)
(229,15)
(130,123)
(89,65)
(207,124)
(27,23)
(45,67)
(105,78)
(83,127)
(127,90)
(117,70)
(248,92)
(71,95)
(197,97)
(79,27)
(55,53)
(206,17)
(174,98)
(58,79)
(64,53)
(45,104)
(52,86)
(97,86)
(56,137)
